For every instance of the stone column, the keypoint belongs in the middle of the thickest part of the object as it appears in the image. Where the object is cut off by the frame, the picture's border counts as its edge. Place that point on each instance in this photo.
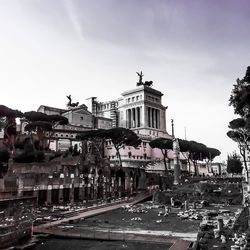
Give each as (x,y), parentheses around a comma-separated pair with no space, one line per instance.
(60,198)
(120,186)
(20,187)
(88,191)
(49,194)
(127,184)
(136,118)
(156,118)
(35,193)
(140,116)
(131,185)
(176,151)
(104,191)
(133,117)
(143,116)
(112,186)
(153,117)
(159,118)
(95,186)
(81,191)
(129,118)
(71,193)
(150,117)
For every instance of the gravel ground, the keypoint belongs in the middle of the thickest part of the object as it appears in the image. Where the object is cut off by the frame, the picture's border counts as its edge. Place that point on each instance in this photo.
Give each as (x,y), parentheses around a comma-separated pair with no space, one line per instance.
(68,244)
(121,219)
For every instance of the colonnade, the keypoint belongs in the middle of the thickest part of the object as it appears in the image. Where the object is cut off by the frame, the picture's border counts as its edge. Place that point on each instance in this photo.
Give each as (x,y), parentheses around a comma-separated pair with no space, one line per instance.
(134,117)
(153,117)
(92,187)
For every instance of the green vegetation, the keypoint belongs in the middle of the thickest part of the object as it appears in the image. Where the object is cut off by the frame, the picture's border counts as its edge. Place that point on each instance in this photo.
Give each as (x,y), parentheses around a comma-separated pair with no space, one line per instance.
(192,150)
(234,165)
(119,137)
(240,127)
(164,145)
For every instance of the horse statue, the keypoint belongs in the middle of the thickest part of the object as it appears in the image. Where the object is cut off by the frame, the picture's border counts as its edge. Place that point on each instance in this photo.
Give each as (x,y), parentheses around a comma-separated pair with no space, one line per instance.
(70,103)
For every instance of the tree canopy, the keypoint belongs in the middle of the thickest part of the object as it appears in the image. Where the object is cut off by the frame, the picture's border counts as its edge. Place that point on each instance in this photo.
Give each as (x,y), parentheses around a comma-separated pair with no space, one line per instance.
(234,165)
(240,95)
(240,127)
(119,137)
(195,151)
(164,145)
(42,123)
(8,120)
(198,152)
(9,113)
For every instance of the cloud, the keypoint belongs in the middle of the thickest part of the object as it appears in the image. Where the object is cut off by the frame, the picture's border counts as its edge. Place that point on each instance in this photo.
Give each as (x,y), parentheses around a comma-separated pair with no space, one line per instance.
(73,17)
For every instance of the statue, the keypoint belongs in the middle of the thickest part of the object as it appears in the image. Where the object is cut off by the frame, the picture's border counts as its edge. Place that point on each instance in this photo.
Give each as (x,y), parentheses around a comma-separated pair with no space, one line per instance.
(70,103)
(146,83)
(140,79)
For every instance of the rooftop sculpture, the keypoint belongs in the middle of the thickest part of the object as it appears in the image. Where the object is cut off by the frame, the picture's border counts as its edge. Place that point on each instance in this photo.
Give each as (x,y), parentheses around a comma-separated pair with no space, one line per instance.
(146,83)
(70,103)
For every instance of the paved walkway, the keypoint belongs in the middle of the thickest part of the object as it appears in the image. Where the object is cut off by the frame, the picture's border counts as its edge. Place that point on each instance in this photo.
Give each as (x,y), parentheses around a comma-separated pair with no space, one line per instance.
(180,244)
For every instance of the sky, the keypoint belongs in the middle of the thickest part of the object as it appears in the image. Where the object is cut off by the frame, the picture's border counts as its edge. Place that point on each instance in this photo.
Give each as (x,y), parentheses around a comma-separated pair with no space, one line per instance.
(193,51)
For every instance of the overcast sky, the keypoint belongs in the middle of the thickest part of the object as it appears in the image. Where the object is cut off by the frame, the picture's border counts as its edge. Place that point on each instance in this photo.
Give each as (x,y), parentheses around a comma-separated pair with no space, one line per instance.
(192,50)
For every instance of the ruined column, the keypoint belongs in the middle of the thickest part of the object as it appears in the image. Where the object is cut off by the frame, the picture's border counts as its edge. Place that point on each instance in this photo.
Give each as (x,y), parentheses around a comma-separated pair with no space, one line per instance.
(20,188)
(131,185)
(71,193)
(127,184)
(176,151)
(95,186)
(104,192)
(35,192)
(81,191)
(120,187)
(49,194)
(112,187)
(60,198)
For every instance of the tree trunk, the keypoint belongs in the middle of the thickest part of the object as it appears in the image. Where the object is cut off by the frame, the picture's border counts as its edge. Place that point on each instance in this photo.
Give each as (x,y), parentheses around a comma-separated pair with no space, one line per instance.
(243,154)
(118,154)
(164,152)
(188,162)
